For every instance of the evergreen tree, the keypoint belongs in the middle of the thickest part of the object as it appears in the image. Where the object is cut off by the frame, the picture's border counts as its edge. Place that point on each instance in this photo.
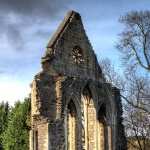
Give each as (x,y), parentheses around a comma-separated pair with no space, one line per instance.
(16,136)
(4,111)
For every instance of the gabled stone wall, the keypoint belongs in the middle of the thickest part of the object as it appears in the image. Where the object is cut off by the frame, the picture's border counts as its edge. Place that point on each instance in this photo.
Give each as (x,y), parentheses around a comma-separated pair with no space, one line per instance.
(71,74)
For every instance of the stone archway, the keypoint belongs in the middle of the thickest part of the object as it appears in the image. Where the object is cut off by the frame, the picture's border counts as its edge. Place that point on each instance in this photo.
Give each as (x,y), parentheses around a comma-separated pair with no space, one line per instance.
(96,133)
(104,130)
(87,128)
(72,132)
(88,111)
(101,128)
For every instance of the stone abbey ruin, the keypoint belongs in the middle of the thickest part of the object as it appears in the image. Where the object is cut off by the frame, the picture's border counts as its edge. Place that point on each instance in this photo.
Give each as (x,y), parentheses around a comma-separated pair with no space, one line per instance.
(72,105)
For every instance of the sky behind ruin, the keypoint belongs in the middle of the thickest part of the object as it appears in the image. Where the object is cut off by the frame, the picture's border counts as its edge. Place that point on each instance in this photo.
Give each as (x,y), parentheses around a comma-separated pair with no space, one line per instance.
(27,25)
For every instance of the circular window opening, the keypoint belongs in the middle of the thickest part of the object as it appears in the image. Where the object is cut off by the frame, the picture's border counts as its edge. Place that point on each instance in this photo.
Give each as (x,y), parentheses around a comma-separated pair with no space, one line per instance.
(77,55)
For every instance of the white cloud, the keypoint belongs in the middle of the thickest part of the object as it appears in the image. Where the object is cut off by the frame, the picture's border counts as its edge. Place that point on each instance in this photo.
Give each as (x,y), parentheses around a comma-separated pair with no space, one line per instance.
(32,27)
(12,89)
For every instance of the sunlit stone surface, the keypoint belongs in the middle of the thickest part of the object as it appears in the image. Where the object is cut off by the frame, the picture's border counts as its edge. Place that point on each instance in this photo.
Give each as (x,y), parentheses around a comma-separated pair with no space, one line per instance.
(72,105)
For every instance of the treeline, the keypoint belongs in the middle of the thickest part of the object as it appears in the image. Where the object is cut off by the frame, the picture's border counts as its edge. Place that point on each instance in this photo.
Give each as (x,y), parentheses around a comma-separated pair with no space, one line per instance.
(15,125)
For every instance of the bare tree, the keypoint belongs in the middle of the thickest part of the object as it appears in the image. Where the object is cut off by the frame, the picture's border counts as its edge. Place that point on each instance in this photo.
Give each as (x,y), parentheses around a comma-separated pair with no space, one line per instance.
(136,103)
(137,110)
(134,46)
(137,128)
(137,91)
(134,43)
(111,74)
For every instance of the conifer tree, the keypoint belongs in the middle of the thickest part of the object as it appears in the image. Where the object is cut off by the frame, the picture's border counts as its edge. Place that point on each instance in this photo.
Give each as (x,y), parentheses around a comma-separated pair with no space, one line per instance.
(16,136)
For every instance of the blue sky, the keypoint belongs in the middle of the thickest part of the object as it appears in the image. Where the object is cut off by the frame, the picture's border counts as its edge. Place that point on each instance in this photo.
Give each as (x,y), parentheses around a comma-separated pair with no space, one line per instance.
(27,25)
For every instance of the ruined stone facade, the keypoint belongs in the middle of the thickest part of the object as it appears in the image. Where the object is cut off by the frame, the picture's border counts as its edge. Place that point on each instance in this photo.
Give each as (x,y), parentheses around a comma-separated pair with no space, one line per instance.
(73,108)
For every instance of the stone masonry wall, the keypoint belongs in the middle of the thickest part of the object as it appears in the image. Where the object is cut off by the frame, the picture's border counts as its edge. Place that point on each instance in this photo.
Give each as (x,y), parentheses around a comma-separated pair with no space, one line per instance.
(62,80)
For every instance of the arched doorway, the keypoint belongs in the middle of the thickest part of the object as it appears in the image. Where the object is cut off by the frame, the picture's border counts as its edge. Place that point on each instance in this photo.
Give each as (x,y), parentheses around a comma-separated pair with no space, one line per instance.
(96,133)
(104,130)
(71,126)
(88,120)
(101,128)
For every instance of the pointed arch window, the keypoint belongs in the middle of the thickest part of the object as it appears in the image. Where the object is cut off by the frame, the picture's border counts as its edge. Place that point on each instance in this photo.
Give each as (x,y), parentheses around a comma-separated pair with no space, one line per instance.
(96,134)
(89,120)
(101,128)
(71,126)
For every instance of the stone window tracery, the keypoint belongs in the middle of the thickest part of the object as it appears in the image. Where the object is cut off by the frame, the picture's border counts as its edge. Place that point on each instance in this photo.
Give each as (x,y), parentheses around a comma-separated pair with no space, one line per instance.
(77,55)
(96,134)
(89,112)
(95,131)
